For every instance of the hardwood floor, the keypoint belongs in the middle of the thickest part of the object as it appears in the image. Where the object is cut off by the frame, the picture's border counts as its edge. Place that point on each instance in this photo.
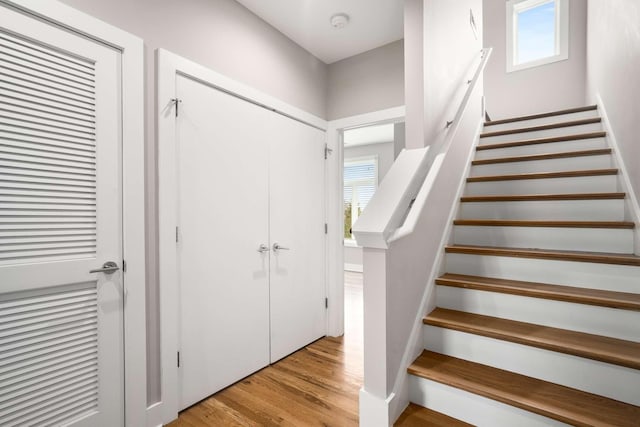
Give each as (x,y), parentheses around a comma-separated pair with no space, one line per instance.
(316,386)
(417,416)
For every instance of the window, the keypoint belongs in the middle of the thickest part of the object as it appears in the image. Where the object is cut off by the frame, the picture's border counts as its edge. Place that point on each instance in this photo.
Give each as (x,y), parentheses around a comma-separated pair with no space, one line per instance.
(537,33)
(360,182)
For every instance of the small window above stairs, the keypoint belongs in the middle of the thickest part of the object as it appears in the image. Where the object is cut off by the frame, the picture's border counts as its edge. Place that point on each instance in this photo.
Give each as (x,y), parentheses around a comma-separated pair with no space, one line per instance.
(537,315)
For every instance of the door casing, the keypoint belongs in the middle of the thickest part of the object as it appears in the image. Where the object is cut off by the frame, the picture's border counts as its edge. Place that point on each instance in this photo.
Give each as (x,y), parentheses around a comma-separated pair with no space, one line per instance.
(334,189)
(132,111)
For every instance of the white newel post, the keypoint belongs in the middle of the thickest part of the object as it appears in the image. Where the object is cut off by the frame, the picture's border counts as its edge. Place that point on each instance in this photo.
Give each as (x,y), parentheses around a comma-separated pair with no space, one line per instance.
(383,215)
(374,399)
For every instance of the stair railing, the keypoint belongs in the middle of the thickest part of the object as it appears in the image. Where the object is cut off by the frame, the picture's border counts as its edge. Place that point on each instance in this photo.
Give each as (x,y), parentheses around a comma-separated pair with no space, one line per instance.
(402,231)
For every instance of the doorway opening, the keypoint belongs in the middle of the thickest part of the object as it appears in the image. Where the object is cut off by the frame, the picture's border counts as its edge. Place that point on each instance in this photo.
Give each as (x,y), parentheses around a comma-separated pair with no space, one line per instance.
(368,152)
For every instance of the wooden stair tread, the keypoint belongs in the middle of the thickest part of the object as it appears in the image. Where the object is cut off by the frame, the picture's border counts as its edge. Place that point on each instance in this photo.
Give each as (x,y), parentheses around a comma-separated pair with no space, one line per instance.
(612,299)
(547,156)
(541,115)
(550,224)
(542,127)
(551,400)
(543,197)
(594,257)
(544,175)
(419,416)
(596,347)
(576,137)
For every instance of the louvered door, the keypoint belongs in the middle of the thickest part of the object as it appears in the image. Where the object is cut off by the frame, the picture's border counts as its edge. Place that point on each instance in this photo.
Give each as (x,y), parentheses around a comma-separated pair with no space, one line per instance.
(61,326)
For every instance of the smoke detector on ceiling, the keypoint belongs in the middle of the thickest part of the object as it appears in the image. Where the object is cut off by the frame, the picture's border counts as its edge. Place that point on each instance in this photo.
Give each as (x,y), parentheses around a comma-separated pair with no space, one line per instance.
(339,20)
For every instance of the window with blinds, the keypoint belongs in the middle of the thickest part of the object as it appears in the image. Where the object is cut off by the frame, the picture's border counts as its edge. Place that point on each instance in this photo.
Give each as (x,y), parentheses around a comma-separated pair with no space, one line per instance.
(360,182)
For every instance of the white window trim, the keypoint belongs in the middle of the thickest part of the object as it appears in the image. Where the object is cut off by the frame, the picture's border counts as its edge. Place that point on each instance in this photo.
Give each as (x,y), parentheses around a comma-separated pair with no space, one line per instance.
(353,161)
(562,31)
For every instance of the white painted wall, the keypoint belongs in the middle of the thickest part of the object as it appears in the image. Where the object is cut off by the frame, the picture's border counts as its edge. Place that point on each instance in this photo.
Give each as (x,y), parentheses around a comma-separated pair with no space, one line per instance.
(399,138)
(545,88)
(450,48)
(352,258)
(613,67)
(370,81)
(226,37)
(414,72)
(385,153)
(440,48)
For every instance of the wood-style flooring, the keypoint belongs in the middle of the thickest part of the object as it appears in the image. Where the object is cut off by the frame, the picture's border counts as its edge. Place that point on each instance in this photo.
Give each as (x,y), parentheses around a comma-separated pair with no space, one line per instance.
(316,386)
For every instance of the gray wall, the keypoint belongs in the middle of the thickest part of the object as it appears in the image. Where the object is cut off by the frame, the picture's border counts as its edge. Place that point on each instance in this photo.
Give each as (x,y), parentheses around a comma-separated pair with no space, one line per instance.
(613,70)
(414,72)
(367,82)
(226,37)
(545,88)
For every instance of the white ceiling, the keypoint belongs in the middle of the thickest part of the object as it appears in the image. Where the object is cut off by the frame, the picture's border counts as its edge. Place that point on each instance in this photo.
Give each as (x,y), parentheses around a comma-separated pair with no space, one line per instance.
(368,135)
(373,23)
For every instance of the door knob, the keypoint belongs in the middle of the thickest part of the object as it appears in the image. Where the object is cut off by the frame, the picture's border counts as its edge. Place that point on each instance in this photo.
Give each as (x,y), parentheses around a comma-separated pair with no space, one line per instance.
(263,248)
(277,247)
(108,267)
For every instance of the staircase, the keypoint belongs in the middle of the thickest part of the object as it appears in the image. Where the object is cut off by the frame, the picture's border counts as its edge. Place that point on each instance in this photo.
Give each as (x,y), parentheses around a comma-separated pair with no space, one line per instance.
(537,318)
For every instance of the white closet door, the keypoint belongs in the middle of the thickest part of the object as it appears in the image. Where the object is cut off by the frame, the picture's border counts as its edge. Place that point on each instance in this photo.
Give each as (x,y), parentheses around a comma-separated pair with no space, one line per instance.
(61,328)
(297,216)
(223,219)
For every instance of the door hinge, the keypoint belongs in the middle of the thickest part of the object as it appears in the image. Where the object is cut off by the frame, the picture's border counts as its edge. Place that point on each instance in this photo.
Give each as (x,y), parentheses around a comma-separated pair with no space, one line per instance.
(327,151)
(178,359)
(326,228)
(177,234)
(124,266)
(326,303)
(176,102)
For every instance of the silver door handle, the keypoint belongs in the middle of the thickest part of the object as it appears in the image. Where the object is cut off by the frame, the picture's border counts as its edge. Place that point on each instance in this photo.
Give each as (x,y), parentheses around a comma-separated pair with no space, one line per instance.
(277,247)
(263,248)
(108,267)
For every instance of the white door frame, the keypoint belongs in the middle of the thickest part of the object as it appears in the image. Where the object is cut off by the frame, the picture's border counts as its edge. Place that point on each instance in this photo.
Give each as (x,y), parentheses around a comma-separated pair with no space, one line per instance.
(334,188)
(131,49)
(168,65)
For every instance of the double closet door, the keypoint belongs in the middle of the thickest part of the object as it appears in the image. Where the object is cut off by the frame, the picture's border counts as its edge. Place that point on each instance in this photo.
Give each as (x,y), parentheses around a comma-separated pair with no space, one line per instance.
(251,242)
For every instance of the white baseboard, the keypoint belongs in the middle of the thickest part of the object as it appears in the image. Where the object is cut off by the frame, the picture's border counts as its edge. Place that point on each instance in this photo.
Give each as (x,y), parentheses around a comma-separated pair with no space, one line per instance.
(353,267)
(154,415)
(374,410)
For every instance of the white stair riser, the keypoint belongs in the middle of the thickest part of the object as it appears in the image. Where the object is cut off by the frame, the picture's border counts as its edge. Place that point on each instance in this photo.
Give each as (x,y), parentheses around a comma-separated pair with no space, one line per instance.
(569,130)
(582,184)
(547,147)
(549,165)
(612,381)
(584,239)
(472,408)
(543,121)
(567,210)
(585,318)
(612,277)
